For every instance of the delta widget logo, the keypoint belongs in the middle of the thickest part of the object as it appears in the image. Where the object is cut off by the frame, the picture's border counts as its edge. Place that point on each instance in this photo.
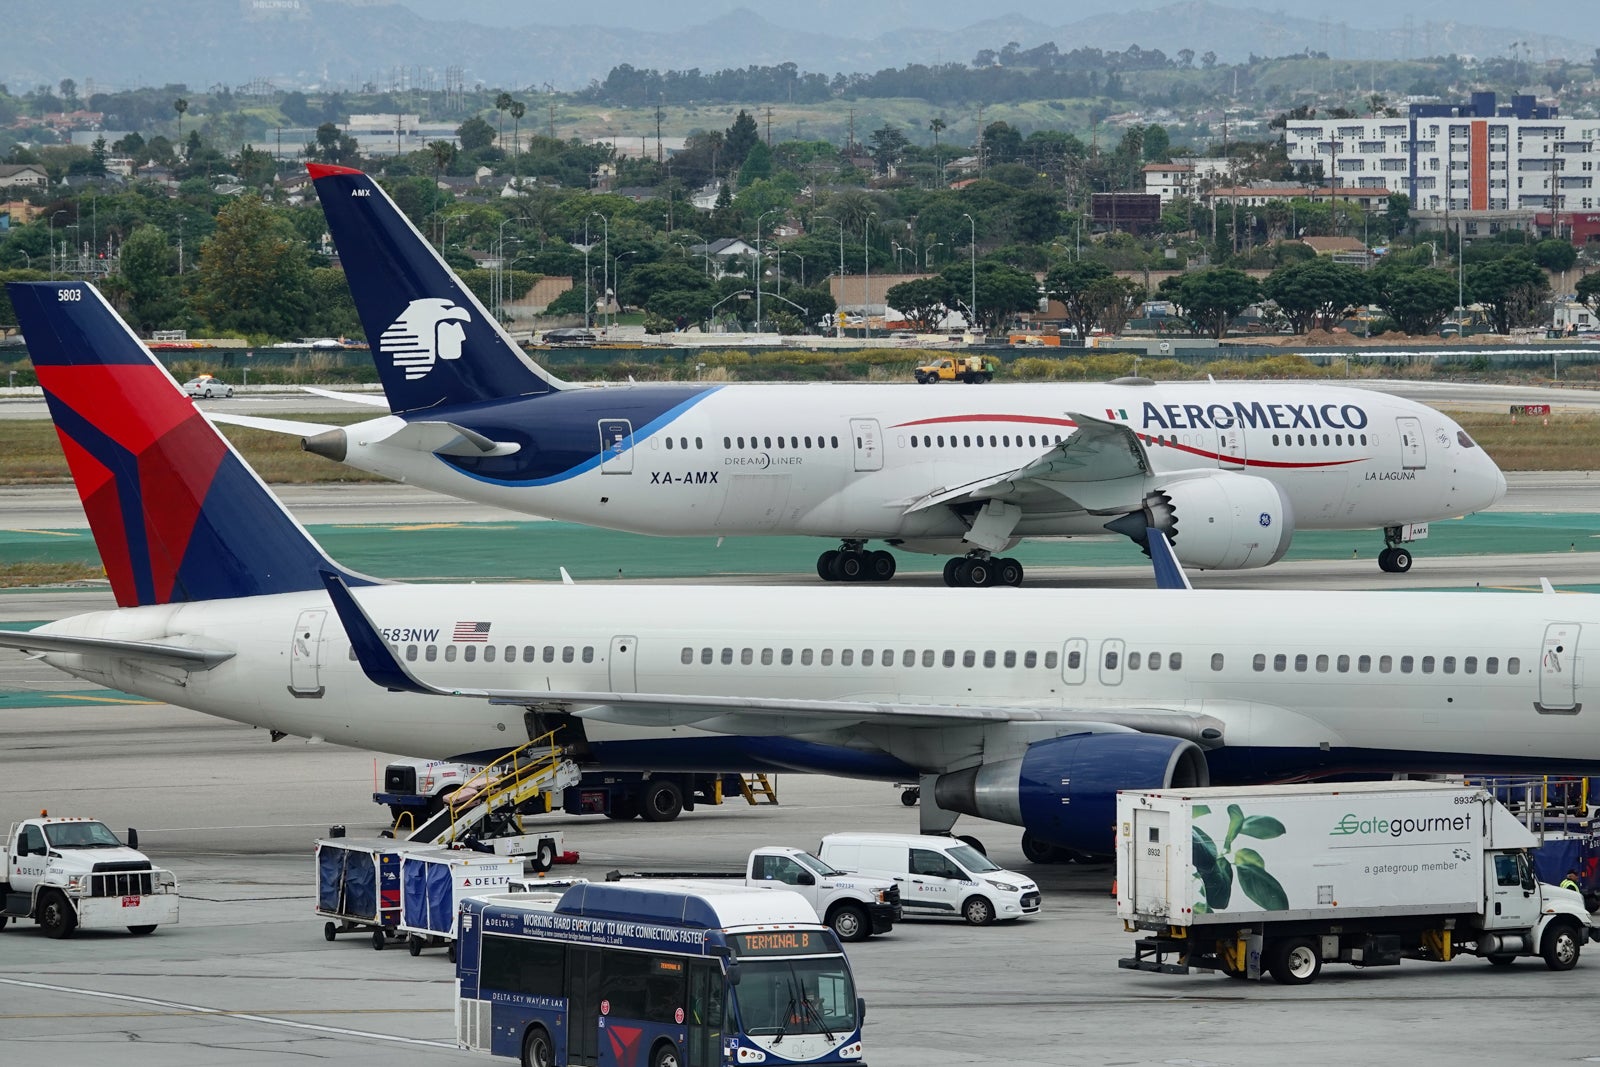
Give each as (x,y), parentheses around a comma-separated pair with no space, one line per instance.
(428,330)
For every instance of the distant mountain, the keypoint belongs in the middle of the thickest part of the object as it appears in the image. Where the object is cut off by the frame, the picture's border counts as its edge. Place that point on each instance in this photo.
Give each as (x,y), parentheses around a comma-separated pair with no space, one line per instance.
(109,44)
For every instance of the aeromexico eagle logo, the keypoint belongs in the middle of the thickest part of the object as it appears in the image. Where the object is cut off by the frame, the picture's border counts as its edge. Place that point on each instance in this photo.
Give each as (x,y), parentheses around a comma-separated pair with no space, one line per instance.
(426,331)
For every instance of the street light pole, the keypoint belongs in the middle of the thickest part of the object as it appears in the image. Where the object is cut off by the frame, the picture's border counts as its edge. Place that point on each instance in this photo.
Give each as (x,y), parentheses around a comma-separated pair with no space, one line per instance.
(973,306)
(616,273)
(58,211)
(759,263)
(605,261)
(587,303)
(866,276)
(838,320)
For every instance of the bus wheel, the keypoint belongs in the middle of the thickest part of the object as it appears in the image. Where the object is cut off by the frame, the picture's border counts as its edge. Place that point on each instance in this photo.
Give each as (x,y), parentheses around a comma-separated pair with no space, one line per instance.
(537,1051)
(665,1055)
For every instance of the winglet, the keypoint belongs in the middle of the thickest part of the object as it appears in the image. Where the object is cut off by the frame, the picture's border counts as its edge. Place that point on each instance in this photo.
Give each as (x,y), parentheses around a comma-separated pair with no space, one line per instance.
(1169,572)
(376,658)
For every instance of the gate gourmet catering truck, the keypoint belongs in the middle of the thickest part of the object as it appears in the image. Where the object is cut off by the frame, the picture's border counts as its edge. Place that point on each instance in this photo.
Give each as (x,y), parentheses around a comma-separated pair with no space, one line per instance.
(64,873)
(1284,878)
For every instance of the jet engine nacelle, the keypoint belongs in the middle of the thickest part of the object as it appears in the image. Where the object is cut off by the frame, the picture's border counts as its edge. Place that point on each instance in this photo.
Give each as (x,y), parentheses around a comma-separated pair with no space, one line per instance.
(1216,521)
(1064,791)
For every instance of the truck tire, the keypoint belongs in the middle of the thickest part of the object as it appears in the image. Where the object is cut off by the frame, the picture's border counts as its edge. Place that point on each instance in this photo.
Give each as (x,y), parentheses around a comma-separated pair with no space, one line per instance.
(622,809)
(1040,851)
(1294,961)
(544,857)
(537,1049)
(978,911)
(850,922)
(662,801)
(1561,947)
(142,930)
(56,915)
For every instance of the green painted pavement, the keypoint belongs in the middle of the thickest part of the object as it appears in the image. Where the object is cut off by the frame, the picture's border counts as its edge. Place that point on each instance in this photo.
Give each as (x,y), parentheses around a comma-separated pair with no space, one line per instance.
(534,550)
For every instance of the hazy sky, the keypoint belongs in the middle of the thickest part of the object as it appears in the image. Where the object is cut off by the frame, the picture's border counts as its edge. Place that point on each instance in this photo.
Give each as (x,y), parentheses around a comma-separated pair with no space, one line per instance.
(844,17)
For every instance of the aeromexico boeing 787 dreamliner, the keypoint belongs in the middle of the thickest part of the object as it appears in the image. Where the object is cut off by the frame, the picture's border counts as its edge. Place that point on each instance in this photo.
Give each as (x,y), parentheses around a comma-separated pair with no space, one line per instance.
(1049,702)
(1228,471)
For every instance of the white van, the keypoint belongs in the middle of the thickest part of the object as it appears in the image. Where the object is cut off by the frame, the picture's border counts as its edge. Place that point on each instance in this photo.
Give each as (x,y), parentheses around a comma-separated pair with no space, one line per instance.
(936,875)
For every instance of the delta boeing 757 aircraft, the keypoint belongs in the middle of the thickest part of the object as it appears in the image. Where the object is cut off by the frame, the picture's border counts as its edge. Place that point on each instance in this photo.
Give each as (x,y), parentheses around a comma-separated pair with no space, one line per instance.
(1228,471)
(1053,701)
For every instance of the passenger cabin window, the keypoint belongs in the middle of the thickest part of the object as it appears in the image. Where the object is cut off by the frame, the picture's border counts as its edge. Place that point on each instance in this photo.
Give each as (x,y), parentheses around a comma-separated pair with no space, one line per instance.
(1216,661)
(449,653)
(1133,660)
(469,653)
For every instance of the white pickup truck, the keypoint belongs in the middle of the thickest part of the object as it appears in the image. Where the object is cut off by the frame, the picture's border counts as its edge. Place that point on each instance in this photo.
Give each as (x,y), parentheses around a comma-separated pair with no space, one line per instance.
(857,907)
(64,873)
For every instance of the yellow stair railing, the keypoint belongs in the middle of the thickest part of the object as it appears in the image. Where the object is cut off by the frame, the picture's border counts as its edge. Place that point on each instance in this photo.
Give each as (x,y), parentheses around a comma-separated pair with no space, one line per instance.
(758,789)
(529,769)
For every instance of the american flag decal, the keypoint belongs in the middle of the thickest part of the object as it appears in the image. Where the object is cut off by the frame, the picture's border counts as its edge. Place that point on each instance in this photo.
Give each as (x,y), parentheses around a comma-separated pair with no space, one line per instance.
(471,631)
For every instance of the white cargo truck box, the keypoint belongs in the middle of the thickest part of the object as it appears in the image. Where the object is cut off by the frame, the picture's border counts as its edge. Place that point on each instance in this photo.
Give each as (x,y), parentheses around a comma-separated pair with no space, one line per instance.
(1197,856)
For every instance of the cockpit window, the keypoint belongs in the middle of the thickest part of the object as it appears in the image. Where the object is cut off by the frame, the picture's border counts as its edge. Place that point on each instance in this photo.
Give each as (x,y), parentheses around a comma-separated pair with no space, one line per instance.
(1466,442)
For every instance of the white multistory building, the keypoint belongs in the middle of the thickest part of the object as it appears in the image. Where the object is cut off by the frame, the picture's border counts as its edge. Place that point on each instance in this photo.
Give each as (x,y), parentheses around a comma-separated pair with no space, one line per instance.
(1484,165)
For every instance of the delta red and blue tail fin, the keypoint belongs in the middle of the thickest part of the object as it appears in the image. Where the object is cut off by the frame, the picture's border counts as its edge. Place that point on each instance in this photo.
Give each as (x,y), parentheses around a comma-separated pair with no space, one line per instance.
(176,513)
(433,342)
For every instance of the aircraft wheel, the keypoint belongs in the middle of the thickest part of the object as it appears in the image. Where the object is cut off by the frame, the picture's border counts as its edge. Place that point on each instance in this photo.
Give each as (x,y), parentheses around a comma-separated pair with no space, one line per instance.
(979,573)
(1008,571)
(909,797)
(850,567)
(880,565)
(825,564)
(952,568)
(1400,561)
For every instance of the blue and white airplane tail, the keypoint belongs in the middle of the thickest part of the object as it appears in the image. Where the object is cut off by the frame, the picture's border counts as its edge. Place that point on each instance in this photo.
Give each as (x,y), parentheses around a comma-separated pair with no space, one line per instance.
(176,512)
(435,345)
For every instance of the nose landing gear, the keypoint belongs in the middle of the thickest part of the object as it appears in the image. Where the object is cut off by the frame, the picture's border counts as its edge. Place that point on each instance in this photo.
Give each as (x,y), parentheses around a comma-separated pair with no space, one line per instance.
(1395,558)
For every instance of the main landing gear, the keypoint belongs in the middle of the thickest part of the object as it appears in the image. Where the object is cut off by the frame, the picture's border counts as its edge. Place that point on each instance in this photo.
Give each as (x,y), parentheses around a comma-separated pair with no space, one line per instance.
(981,569)
(852,562)
(1395,558)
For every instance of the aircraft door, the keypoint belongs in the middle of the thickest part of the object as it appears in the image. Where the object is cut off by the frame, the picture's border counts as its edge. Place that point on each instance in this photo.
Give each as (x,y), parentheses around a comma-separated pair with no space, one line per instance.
(1230,448)
(1111,653)
(623,661)
(868,440)
(1558,670)
(1413,449)
(616,446)
(305,655)
(1075,661)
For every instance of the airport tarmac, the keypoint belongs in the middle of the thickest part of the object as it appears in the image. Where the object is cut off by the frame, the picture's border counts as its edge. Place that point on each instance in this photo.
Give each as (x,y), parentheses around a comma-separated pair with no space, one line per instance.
(246,978)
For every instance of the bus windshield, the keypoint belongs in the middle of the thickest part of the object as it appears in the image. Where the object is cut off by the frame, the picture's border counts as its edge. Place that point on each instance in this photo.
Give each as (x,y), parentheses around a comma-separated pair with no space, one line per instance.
(796,996)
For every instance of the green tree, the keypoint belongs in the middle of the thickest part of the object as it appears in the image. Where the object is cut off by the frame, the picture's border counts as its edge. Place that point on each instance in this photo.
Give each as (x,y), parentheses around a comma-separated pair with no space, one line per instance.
(817,302)
(1398,217)
(332,145)
(502,104)
(147,266)
(922,301)
(1555,255)
(1070,284)
(1416,299)
(1513,288)
(569,302)
(1114,301)
(1157,145)
(1211,299)
(475,135)
(738,140)
(1316,289)
(1588,289)
(180,105)
(757,165)
(1003,291)
(885,145)
(253,273)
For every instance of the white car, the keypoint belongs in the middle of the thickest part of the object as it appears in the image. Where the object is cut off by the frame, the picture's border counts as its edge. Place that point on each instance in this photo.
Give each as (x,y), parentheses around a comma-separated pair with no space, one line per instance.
(207,387)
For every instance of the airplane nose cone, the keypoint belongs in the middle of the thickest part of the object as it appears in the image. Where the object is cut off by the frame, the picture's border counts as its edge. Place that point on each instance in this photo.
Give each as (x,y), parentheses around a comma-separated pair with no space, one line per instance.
(1486,483)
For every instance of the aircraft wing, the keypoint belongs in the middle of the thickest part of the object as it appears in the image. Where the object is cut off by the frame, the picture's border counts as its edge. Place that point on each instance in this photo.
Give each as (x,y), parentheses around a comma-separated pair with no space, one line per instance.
(739,714)
(375,400)
(1098,451)
(440,438)
(255,422)
(192,659)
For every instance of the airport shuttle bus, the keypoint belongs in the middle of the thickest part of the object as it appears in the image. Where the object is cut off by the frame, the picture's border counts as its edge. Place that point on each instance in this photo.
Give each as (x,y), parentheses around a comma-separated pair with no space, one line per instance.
(665,974)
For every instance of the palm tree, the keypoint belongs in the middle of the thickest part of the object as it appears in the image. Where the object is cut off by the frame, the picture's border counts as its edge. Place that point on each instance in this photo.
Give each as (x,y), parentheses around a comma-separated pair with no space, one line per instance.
(180,105)
(518,109)
(501,104)
(937,125)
